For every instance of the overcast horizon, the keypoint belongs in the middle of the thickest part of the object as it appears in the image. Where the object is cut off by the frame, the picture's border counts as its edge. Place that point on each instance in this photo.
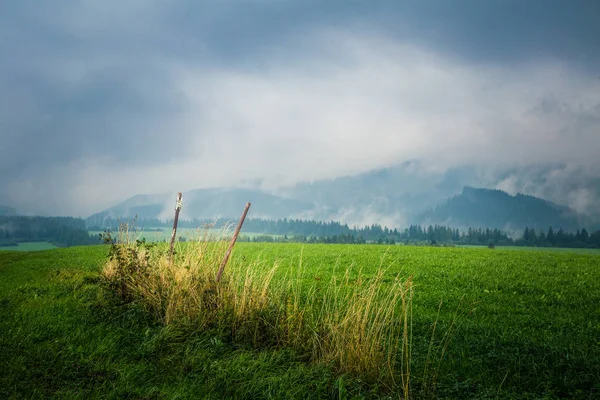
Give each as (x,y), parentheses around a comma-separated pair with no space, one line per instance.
(101,100)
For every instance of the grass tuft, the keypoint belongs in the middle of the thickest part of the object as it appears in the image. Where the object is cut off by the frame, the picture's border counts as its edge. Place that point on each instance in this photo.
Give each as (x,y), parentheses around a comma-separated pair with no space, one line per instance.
(360,325)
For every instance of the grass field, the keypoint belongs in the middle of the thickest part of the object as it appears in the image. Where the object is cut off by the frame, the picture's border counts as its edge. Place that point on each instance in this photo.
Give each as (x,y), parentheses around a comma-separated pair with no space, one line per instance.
(527,327)
(30,246)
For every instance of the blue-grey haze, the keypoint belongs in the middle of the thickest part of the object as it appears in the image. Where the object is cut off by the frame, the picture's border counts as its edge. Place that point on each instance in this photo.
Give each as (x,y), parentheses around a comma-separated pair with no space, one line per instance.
(100,100)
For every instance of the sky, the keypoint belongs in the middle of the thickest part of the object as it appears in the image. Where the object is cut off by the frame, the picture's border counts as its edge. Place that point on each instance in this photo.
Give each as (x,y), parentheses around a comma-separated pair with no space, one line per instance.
(101,100)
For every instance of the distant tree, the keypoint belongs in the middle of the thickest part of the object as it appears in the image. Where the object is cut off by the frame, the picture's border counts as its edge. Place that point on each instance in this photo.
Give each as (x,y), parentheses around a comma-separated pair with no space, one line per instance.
(550,237)
(542,239)
(584,236)
(533,237)
(560,237)
(526,237)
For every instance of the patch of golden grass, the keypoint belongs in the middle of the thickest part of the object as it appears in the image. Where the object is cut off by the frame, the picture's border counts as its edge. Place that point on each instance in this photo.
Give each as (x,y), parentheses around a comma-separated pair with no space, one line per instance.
(360,326)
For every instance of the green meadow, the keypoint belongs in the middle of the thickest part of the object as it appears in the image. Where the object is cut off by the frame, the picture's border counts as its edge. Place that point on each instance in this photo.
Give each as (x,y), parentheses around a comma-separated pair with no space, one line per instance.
(486,324)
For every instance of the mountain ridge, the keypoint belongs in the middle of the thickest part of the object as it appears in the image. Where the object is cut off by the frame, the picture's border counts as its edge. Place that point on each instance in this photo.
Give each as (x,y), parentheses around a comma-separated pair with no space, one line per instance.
(204,203)
(494,208)
(472,207)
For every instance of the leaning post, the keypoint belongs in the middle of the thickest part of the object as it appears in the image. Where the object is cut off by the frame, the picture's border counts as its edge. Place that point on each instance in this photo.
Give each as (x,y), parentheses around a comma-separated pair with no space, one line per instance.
(233,240)
(174,234)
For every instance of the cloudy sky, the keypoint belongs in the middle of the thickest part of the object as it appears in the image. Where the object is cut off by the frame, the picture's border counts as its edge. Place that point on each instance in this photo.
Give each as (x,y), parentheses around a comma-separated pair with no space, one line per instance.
(100,100)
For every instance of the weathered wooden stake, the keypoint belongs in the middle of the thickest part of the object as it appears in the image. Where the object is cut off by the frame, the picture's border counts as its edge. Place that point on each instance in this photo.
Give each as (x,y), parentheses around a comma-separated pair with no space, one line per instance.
(174,234)
(233,239)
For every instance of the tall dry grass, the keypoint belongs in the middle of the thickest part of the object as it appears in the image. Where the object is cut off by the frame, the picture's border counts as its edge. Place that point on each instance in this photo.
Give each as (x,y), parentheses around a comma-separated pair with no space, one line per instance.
(358,324)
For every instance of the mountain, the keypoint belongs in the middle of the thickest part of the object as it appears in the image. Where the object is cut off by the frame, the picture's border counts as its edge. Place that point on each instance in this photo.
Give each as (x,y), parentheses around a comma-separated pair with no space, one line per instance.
(205,203)
(406,193)
(7,211)
(392,196)
(388,196)
(401,195)
(486,208)
(141,205)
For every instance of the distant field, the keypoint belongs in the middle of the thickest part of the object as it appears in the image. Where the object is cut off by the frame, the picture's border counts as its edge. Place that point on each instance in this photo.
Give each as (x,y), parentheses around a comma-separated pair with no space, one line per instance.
(30,246)
(528,327)
(153,235)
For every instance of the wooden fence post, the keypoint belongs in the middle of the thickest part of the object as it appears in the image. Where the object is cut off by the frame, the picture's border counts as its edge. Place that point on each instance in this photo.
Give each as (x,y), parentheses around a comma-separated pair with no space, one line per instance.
(174,234)
(233,240)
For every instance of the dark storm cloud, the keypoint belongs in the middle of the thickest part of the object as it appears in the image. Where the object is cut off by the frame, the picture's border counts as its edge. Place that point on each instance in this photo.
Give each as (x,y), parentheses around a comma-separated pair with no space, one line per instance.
(136,88)
(482,31)
(511,30)
(67,96)
(99,114)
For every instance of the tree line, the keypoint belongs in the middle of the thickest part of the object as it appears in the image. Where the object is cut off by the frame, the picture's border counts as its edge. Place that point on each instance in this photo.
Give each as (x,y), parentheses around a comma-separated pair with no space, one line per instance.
(69,231)
(441,235)
(417,234)
(309,231)
(580,239)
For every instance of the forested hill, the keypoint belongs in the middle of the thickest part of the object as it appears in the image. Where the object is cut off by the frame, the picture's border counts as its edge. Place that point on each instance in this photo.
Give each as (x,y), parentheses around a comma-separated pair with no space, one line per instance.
(60,231)
(497,209)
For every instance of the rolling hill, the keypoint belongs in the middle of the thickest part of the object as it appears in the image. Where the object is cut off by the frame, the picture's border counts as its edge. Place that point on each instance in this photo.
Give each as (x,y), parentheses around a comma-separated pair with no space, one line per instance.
(487,208)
